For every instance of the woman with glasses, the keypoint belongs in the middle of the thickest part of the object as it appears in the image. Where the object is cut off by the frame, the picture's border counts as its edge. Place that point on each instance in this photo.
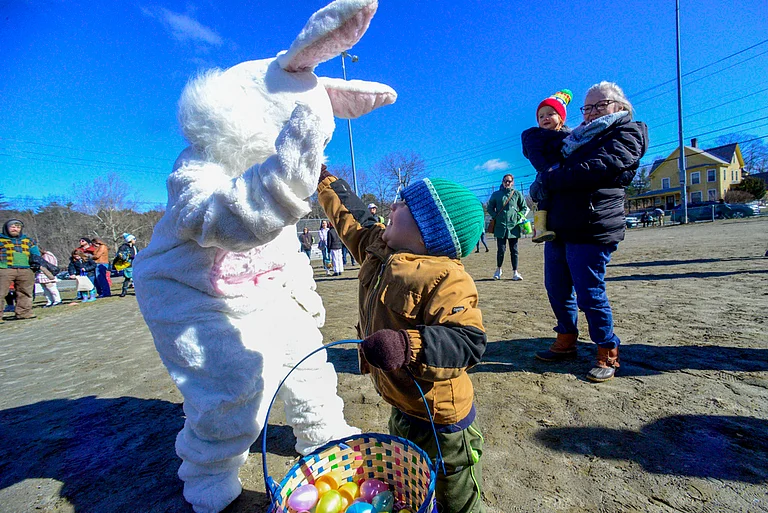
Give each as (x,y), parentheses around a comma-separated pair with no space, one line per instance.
(507,207)
(586,211)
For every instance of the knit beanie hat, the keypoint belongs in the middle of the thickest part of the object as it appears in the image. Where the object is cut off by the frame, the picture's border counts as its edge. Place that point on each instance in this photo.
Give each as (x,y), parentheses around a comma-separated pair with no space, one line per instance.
(558,101)
(450,218)
(128,237)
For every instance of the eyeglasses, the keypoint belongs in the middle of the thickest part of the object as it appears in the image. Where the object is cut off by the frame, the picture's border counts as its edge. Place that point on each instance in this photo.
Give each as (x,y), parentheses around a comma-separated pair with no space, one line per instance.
(509,181)
(599,106)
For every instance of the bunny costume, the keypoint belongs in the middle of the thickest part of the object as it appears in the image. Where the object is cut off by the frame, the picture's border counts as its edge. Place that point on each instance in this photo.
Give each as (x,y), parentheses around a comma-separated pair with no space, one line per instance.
(229,299)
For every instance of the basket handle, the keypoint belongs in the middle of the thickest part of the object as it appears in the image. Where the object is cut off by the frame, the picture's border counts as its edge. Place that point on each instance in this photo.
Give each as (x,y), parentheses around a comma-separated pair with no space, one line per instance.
(270,485)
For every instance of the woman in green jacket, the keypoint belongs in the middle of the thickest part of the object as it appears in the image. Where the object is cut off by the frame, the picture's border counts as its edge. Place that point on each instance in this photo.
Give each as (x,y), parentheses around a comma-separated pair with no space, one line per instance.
(507,206)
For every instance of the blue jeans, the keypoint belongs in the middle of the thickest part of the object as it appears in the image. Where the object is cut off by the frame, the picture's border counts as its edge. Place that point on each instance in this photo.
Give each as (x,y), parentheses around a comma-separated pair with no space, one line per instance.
(574,276)
(102,285)
(326,256)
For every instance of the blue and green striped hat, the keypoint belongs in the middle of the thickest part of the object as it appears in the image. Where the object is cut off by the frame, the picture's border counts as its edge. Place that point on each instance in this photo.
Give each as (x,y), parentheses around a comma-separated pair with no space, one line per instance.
(450,218)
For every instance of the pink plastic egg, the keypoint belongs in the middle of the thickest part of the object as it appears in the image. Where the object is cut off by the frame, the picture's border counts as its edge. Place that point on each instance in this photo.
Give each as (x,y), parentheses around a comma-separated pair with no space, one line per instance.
(372,487)
(303,498)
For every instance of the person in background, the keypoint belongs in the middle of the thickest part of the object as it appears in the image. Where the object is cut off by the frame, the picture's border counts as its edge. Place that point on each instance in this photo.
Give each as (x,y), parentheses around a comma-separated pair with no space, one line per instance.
(322,244)
(306,241)
(373,209)
(85,245)
(15,252)
(507,206)
(81,264)
(345,253)
(482,239)
(124,261)
(659,215)
(101,257)
(47,280)
(587,212)
(335,246)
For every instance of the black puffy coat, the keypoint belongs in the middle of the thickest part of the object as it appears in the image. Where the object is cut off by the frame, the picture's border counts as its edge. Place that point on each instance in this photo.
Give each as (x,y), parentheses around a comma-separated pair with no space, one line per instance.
(586,193)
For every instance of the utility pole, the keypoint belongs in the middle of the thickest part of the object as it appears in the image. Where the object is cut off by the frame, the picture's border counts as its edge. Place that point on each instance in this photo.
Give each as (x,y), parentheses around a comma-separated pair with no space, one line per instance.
(353,58)
(681,159)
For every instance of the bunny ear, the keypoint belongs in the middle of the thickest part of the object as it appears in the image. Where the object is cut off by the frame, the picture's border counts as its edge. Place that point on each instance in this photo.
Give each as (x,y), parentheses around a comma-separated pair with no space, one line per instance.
(330,31)
(353,98)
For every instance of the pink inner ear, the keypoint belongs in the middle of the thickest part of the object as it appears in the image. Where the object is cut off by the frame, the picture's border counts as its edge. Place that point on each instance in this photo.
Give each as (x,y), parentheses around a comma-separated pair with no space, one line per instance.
(353,104)
(333,43)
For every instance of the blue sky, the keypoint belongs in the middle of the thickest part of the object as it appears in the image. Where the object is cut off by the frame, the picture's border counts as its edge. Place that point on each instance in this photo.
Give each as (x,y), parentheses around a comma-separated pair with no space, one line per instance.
(88,88)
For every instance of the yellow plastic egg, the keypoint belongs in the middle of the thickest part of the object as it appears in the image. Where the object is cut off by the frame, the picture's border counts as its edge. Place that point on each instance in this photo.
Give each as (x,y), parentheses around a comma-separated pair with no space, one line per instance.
(330,502)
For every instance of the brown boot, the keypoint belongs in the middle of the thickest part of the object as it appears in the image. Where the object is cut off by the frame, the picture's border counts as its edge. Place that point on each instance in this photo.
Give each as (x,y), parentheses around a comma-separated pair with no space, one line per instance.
(540,225)
(607,363)
(564,348)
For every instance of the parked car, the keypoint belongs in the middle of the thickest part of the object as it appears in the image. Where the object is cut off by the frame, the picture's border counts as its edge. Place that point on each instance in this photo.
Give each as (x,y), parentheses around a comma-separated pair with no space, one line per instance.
(635,219)
(703,211)
(755,206)
(632,220)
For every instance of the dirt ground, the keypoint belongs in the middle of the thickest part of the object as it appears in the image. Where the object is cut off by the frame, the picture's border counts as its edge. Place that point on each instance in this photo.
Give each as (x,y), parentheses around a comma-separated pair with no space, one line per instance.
(88,415)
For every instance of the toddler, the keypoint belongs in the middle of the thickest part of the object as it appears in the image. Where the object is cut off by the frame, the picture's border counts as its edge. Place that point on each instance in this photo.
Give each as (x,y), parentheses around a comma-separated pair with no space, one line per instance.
(542,147)
(419,317)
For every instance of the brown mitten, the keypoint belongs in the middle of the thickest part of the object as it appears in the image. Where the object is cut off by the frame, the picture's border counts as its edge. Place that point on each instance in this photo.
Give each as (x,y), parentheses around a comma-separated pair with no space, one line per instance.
(387,349)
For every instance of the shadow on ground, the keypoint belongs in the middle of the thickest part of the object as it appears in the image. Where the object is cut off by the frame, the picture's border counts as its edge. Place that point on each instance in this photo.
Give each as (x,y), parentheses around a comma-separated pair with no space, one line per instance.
(636,359)
(654,263)
(96,446)
(674,276)
(703,446)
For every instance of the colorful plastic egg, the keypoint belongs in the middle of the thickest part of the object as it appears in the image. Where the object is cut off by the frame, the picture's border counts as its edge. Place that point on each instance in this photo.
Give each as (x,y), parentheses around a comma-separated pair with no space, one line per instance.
(330,502)
(322,488)
(360,507)
(372,487)
(333,478)
(350,491)
(303,498)
(383,502)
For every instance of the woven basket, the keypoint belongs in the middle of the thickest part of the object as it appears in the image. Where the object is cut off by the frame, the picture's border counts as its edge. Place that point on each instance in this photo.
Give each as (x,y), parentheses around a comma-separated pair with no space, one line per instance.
(396,461)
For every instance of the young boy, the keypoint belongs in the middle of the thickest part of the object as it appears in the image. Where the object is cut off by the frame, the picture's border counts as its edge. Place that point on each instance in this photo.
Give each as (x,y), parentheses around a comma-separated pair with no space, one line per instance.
(419,317)
(542,147)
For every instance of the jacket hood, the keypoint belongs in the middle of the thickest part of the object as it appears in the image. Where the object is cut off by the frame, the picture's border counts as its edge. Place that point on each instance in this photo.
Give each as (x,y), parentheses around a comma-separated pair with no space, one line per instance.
(10,222)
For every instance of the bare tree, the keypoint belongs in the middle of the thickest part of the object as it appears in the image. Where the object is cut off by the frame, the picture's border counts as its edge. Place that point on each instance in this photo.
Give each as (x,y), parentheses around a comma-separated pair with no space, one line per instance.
(754,150)
(402,168)
(107,200)
(380,185)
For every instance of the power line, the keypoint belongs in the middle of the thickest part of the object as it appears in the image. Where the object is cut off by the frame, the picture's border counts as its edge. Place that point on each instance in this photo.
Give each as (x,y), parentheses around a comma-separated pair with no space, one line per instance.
(83,149)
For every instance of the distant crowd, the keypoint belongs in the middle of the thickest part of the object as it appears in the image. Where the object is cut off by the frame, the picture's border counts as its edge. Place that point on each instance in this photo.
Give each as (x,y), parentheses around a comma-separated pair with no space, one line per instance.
(24,263)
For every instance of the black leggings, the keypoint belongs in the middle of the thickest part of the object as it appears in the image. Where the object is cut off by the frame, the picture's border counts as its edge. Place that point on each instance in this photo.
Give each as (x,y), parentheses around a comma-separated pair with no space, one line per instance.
(501,248)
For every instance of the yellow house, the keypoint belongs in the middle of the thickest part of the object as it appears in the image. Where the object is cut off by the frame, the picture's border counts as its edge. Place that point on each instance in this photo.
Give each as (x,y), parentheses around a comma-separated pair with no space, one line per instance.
(709,175)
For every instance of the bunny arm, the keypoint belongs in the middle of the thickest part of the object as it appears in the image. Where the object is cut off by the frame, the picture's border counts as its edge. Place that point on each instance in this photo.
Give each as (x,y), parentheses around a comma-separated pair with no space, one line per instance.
(237,214)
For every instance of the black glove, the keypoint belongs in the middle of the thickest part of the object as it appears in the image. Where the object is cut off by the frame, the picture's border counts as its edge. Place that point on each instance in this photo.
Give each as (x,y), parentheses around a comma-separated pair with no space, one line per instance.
(387,350)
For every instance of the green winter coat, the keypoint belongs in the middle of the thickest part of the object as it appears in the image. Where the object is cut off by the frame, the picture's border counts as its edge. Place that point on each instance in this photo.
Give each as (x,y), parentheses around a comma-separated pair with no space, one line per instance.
(507,222)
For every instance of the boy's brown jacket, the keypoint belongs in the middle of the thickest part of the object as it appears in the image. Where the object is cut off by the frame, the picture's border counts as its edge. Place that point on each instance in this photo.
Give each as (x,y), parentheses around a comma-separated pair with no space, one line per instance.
(432,298)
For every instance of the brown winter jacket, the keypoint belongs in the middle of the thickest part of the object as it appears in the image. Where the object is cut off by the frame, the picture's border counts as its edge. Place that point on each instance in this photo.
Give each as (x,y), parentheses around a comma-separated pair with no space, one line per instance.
(432,298)
(100,253)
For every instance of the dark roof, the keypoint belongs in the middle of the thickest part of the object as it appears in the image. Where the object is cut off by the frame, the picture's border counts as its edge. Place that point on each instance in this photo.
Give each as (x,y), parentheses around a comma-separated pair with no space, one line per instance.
(761,176)
(723,152)
(656,163)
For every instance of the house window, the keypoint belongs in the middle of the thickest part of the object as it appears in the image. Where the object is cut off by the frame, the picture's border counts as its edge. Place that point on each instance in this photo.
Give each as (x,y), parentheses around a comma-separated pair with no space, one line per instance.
(665,183)
(711,175)
(712,195)
(696,197)
(657,200)
(723,174)
(695,178)
(733,175)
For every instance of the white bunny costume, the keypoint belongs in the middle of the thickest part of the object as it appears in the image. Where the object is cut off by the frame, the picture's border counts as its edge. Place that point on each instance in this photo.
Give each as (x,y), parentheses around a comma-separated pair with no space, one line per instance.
(229,299)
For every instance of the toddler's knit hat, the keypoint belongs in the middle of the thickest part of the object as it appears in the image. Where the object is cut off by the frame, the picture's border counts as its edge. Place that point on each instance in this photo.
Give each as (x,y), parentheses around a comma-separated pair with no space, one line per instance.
(450,218)
(128,237)
(558,101)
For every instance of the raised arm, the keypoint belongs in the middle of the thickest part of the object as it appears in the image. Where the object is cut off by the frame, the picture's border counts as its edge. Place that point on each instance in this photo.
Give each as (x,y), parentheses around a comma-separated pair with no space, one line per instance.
(354,223)
(236,214)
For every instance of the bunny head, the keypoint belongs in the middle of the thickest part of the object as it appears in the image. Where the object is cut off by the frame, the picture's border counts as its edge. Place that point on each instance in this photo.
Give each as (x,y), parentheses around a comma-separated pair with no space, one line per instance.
(234,116)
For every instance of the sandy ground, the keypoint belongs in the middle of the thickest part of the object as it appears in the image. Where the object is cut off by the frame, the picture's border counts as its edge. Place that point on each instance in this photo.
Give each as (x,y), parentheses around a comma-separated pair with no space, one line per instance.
(88,414)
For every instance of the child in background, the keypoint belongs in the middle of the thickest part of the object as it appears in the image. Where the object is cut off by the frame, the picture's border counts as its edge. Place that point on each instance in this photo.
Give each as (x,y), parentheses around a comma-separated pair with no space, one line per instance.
(419,317)
(542,147)
(81,264)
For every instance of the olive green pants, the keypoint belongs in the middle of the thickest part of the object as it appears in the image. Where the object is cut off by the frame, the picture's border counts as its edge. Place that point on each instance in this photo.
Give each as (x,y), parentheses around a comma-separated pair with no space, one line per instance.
(459,489)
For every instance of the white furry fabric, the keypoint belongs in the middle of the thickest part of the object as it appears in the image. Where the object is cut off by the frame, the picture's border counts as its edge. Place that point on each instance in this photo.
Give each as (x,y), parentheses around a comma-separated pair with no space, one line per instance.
(227,295)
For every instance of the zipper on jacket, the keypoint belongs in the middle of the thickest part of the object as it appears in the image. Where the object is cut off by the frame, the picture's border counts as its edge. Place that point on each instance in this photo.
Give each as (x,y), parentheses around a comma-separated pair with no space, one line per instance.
(372,296)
